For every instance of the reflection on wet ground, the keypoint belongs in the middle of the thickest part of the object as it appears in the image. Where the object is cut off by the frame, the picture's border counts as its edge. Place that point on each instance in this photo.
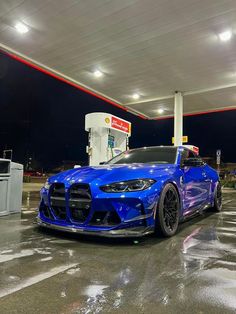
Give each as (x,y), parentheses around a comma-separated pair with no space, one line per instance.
(50,272)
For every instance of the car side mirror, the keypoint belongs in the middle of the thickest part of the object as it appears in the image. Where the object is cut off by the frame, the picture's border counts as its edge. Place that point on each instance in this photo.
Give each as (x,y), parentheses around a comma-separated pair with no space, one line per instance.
(193,162)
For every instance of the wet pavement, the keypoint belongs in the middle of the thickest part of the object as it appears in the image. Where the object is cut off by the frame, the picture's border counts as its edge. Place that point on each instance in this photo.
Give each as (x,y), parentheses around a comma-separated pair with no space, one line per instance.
(51,272)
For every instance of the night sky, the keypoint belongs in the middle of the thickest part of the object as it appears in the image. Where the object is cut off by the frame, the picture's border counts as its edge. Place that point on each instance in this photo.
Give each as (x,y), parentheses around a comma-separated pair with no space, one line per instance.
(43,118)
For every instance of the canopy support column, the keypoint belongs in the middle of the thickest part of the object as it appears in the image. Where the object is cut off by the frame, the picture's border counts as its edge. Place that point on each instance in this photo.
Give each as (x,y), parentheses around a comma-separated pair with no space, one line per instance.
(178,119)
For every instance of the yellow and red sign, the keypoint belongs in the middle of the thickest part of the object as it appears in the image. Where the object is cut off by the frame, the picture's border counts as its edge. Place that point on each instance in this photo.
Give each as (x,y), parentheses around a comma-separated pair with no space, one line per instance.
(184,139)
(120,125)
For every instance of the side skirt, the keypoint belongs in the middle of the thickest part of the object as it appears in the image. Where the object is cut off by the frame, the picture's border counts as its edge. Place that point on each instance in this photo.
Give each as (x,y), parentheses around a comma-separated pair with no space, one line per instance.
(195,213)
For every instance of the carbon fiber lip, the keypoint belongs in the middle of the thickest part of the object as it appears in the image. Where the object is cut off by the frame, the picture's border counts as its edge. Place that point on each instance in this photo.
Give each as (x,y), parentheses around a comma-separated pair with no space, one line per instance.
(123,233)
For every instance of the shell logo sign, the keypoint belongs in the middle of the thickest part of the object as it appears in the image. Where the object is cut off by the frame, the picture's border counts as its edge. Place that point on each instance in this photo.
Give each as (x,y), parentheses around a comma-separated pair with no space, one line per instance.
(107,120)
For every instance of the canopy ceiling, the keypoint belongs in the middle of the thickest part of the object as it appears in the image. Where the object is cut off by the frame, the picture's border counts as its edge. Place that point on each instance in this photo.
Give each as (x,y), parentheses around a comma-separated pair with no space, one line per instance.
(151,48)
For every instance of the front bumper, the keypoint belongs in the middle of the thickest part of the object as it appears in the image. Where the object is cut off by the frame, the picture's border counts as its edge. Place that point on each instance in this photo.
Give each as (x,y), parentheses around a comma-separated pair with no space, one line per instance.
(79,209)
(115,233)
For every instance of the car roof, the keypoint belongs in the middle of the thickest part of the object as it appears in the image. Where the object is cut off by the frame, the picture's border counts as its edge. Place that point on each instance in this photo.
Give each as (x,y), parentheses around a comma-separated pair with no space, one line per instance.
(153,147)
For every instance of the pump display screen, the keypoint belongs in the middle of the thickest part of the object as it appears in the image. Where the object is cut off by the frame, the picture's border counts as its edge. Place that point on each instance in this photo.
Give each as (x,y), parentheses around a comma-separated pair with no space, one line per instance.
(111,141)
(159,155)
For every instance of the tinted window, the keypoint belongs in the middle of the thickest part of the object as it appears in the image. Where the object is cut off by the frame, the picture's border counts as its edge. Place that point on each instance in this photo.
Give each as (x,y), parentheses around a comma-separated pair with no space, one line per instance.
(159,155)
(186,154)
(189,154)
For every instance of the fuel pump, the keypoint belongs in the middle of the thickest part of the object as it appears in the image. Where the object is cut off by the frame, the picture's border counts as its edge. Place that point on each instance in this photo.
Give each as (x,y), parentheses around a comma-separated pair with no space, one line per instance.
(108,136)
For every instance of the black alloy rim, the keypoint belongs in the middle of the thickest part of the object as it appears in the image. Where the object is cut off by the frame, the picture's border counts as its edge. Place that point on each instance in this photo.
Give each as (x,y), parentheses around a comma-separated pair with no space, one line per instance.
(170,209)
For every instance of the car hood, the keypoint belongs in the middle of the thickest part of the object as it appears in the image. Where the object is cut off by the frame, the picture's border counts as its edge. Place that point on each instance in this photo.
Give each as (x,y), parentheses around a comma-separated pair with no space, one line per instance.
(113,173)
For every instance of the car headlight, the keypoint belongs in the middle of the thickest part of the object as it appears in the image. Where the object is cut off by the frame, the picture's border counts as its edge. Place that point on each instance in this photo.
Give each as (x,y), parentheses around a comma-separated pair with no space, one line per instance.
(47,185)
(128,186)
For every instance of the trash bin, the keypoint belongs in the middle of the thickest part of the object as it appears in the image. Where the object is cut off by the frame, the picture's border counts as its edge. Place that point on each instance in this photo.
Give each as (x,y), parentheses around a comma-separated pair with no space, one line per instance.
(16,187)
(5,170)
(11,186)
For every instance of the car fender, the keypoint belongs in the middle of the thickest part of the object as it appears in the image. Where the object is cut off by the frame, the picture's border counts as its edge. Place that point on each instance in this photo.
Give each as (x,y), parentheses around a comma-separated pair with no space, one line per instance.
(178,189)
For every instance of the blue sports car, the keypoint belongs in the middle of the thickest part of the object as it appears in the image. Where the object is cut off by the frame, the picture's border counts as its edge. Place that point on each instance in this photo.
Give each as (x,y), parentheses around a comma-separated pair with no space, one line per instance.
(140,191)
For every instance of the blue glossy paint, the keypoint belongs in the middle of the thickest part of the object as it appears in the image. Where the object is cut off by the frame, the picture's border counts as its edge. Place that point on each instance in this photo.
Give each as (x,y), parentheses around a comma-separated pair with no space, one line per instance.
(195,185)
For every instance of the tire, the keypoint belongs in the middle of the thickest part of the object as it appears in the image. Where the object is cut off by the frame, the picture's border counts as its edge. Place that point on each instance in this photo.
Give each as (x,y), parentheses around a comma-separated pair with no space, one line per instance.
(217,207)
(167,215)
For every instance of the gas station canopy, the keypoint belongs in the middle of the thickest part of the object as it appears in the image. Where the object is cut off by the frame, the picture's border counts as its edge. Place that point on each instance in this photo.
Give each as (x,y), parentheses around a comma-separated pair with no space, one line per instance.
(133,53)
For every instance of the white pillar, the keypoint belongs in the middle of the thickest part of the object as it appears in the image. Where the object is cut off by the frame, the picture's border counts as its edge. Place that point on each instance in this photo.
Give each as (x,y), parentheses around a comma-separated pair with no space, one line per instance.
(178,119)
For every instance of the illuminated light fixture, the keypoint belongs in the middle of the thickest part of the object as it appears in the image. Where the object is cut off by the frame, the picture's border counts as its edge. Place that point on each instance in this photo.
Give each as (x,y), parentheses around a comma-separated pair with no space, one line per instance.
(160,111)
(136,96)
(97,73)
(21,28)
(226,36)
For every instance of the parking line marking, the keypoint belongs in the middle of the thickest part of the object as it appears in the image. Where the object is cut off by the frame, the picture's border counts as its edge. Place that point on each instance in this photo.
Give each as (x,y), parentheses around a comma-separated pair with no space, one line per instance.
(36,279)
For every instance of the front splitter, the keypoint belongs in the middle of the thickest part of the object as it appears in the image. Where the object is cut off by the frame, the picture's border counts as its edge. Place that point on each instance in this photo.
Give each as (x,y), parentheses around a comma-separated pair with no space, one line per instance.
(119,233)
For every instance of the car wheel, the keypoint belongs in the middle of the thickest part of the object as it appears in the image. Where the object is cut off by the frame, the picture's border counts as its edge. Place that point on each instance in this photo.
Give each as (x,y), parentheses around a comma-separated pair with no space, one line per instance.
(167,215)
(218,198)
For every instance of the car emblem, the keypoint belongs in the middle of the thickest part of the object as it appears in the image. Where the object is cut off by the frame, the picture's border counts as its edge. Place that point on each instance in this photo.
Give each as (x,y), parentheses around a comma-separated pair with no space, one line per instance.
(72,181)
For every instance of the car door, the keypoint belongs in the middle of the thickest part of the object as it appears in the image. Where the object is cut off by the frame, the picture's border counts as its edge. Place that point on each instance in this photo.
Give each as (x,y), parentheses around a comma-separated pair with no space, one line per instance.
(195,185)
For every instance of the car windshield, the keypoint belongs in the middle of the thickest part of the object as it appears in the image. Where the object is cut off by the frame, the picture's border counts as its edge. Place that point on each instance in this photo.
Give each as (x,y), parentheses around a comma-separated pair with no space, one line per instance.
(157,155)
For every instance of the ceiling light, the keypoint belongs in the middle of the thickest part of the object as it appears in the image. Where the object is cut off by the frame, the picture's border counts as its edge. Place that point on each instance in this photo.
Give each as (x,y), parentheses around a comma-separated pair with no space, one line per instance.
(21,28)
(225,36)
(160,111)
(98,73)
(136,96)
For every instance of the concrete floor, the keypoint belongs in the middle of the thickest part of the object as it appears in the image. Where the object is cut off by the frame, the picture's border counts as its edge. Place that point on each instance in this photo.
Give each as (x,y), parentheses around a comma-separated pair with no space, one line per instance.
(50,272)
